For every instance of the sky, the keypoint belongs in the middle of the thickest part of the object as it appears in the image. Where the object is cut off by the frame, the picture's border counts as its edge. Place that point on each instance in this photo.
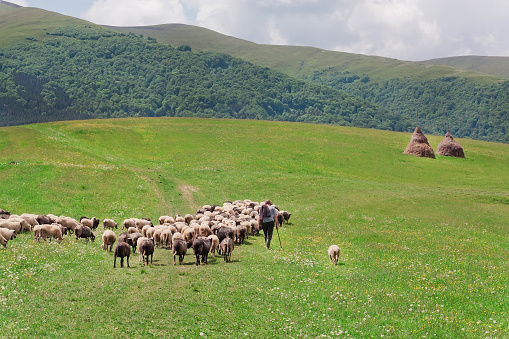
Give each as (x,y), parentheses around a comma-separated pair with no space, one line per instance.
(411,30)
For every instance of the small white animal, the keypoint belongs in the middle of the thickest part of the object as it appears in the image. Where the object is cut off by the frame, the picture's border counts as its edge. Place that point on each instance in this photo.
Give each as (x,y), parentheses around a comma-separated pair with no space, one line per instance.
(334,252)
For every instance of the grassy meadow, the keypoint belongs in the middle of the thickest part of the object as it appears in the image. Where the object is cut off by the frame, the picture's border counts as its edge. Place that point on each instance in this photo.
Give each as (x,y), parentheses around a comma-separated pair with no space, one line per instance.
(424,242)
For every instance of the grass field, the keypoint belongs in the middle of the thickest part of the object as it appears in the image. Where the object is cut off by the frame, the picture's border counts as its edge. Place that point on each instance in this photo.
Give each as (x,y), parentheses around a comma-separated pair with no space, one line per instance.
(424,241)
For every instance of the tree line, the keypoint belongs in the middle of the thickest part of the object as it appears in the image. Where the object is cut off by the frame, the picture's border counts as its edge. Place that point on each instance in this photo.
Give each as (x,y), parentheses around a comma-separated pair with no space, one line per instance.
(89,72)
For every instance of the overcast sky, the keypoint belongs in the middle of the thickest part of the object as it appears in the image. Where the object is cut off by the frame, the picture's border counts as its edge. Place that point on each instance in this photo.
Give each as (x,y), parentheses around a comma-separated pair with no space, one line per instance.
(402,29)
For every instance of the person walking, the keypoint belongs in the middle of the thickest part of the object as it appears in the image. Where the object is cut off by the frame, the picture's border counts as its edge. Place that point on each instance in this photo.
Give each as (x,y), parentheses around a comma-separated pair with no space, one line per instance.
(267,218)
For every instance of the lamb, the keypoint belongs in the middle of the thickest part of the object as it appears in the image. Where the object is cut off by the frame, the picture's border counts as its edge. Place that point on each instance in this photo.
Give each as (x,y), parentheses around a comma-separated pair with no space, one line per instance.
(334,252)
(180,249)
(7,233)
(122,250)
(201,249)
(83,231)
(109,223)
(109,239)
(214,244)
(138,244)
(226,247)
(134,240)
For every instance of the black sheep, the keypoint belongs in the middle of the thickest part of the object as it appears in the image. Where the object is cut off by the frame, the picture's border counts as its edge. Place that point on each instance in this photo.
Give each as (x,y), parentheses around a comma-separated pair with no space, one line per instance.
(122,250)
(201,248)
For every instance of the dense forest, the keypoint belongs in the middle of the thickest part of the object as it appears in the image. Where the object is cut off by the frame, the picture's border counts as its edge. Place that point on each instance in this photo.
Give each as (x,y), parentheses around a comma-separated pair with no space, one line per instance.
(88,72)
(475,111)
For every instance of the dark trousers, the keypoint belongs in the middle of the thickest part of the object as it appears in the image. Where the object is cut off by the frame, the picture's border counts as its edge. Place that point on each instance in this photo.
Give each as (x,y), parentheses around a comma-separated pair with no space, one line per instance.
(268,229)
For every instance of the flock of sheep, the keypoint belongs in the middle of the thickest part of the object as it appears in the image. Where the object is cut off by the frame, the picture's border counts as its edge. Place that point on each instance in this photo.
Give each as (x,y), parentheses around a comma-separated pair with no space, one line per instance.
(212,229)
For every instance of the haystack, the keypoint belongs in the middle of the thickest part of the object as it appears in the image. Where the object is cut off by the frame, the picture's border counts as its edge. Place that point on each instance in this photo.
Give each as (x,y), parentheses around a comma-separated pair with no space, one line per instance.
(419,145)
(450,147)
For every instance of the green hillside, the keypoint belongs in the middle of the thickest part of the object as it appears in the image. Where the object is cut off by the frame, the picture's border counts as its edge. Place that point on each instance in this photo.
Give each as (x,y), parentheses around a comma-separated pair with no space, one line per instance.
(82,72)
(301,61)
(26,24)
(498,66)
(424,241)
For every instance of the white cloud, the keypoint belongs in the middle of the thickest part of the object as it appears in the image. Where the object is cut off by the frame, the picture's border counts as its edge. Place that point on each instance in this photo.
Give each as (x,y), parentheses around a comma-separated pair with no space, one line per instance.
(135,12)
(403,29)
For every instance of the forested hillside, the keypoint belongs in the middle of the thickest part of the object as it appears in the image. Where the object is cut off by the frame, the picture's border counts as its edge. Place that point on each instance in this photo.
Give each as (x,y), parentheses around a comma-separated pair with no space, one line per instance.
(477,111)
(87,72)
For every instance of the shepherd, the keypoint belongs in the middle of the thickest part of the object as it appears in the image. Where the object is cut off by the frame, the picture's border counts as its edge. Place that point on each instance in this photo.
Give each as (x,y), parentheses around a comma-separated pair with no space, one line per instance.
(267,218)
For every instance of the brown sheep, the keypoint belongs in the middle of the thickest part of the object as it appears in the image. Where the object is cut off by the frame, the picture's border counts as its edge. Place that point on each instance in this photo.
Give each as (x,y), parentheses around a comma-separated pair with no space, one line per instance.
(122,250)
(146,249)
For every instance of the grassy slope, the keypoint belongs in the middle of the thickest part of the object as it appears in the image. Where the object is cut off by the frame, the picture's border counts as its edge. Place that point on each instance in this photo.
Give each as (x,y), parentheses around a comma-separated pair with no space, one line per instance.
(19,23)
(498,66)
(424,241)
(298,61)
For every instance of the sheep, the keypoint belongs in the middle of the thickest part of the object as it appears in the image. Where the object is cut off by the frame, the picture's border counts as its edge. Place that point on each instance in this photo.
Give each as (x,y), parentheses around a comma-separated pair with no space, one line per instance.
(142,222)
(3,241)
(150,232)
(31,219)
(83,231)
(134,240)
(179,248)
(146,249)
(201,249)
(227,247)
(162,219)
(179,218)
(138,244)
(128,223)
(286,216)
(224,232)
(157,237)
(109,239)
(7,233)
(205,230)
(122,250)
(44,220)
(50,231)
(144,230)
(92,223)
(334,252)
(109,223)
(166,236)
(188,234)
(132,230)
(12,225)
(188,218)
(240,234)
(68,223)
(214,244)
(122,237)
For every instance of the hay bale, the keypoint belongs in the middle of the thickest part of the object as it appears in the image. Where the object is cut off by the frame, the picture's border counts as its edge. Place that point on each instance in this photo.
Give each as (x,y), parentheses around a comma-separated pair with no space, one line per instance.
(450,147)
(419,145)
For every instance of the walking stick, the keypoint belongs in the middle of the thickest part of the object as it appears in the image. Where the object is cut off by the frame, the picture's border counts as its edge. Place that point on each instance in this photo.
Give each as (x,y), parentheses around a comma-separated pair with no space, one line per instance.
(277,230)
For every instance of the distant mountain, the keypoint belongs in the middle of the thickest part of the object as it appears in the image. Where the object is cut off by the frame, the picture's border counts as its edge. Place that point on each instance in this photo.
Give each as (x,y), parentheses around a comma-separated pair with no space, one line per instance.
(301,61)
(497,66)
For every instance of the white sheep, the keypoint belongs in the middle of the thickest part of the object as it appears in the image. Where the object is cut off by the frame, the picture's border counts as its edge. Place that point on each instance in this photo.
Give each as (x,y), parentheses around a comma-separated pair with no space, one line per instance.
(109,223)
(50,231)
(7,233)
(109,239)
(3,241)
(215,244)
(334,252)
